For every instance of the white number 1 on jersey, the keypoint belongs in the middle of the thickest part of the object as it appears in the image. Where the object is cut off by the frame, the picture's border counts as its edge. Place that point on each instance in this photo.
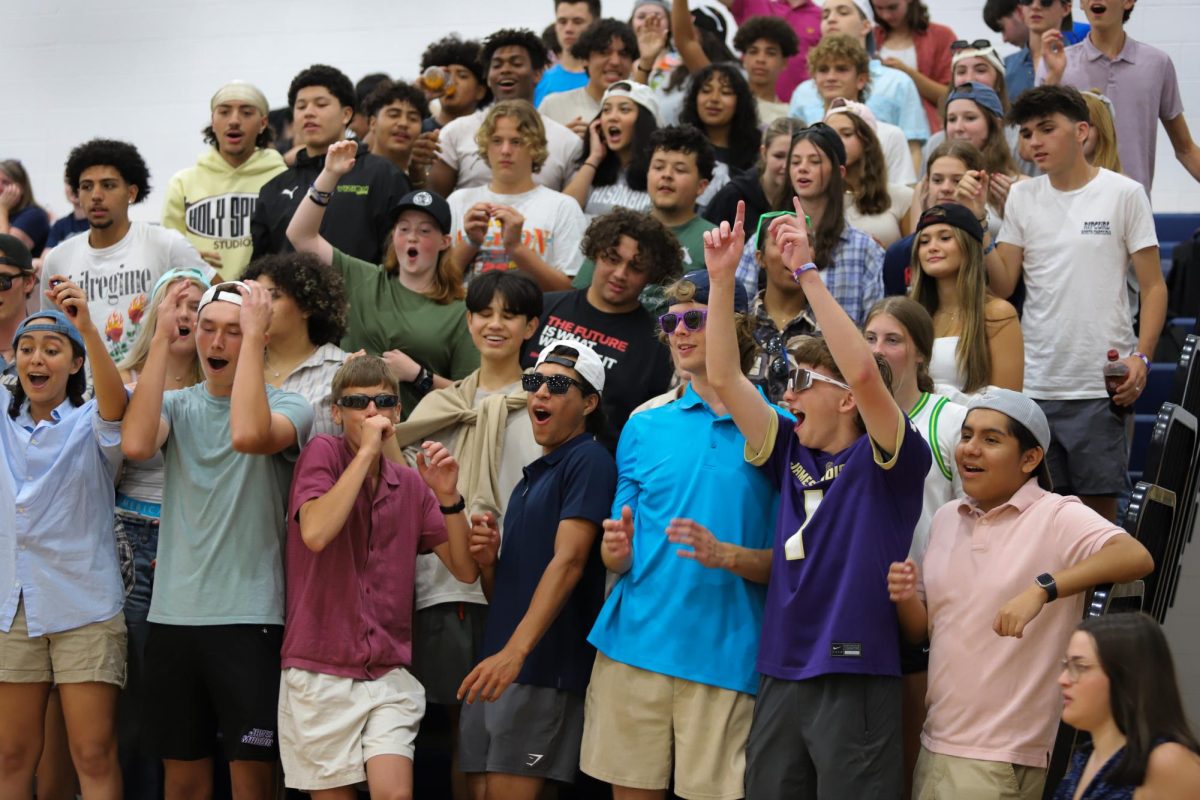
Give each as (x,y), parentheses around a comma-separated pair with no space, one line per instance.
(793,548)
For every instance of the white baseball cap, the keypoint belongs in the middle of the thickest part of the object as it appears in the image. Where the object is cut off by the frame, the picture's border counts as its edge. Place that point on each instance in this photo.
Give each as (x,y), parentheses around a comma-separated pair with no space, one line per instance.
(587,363)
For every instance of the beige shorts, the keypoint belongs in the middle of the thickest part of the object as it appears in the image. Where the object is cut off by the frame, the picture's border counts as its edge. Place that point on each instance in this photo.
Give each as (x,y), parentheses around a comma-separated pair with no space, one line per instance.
(93,653)
(942,777)
(329,726)
(635,721)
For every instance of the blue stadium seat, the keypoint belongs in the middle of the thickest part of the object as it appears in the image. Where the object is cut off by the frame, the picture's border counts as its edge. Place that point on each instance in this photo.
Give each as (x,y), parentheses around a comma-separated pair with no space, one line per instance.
(1159,384)
(1143,426)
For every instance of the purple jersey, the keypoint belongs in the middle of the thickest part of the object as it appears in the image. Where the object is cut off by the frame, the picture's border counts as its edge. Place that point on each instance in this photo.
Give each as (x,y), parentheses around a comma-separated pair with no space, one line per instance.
(843,520)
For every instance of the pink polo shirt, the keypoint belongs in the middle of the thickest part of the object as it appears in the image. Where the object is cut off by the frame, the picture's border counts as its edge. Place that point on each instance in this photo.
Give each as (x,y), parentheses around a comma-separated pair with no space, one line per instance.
(805,20)
(349,607)
(995,698)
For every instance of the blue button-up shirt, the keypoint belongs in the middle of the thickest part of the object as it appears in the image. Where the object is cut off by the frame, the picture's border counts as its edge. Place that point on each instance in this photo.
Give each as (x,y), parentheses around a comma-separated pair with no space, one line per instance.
(56,517)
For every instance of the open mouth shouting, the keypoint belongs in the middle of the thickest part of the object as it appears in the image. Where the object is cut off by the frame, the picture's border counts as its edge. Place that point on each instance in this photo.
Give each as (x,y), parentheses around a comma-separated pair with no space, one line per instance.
(541,415)
(216,364)
(38,380)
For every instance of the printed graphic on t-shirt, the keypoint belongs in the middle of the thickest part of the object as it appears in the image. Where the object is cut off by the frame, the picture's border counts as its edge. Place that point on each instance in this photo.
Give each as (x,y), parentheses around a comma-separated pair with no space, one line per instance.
(118,301)
(1096,228)
(494,255)
(558,330)
(224,218)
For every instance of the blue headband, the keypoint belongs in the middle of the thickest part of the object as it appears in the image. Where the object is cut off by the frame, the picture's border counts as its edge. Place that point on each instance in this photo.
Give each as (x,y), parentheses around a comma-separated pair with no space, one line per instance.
(61,324)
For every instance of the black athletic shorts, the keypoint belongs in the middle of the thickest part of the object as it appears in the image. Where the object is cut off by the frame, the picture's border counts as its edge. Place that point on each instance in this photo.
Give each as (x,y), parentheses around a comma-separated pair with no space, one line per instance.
(209,686)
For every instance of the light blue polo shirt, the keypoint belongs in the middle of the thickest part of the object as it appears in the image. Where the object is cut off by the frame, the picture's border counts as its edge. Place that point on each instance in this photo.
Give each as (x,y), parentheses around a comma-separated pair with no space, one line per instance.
(892,97)
(669,614)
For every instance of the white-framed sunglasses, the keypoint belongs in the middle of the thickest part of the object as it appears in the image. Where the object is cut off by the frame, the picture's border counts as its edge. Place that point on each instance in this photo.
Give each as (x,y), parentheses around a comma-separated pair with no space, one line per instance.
(801,378)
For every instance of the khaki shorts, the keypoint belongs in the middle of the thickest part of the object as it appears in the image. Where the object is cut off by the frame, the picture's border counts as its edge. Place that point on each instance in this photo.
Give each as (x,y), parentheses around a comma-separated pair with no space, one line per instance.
(942,777)
(93,653)
(635,721)
(329,726)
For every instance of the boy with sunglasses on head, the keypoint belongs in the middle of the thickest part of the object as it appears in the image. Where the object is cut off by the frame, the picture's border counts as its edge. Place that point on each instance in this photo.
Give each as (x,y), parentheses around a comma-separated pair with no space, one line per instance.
(545,590)
(678,635)
(850,468)
(349,708)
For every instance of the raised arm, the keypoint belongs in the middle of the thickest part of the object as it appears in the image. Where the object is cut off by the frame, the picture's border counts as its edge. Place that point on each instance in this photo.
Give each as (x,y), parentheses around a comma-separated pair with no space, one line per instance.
(580,185)
(144,431)
(880,414)
(304,231)
(751,413)
(254,428)
(111,397)
(687,40)
(572,544)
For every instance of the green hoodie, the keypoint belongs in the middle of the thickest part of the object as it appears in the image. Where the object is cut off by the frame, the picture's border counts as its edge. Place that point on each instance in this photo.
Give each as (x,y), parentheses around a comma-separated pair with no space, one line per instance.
(212,203)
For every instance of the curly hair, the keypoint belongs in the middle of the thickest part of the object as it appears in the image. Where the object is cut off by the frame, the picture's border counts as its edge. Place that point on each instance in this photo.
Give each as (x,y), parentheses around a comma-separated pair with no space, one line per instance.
(841,47)
(451,50)
(387,92)
(773,29)
(539,56)
(609,171)
(317,289)
(686,139)
(658,252)
(599,36)
(121,156)
(529,125)
(868,177)
(329,77)
(743,128)
(917,17)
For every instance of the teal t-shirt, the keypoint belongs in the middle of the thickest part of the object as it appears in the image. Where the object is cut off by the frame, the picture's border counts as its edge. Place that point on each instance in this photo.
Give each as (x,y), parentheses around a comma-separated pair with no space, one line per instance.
(669,614)
(224,515)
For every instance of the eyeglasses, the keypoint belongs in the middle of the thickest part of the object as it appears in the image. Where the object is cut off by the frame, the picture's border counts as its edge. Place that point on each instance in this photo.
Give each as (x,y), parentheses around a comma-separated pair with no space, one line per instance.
(1043,3)
(7,281)
(693,320)
(557,384)
(800,379)
(1075,668)
(360,401)
(963,44)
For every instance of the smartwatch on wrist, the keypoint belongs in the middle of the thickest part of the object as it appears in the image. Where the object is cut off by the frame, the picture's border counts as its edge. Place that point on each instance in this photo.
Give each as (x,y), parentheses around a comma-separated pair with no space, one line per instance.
(1046,581)
(423,383)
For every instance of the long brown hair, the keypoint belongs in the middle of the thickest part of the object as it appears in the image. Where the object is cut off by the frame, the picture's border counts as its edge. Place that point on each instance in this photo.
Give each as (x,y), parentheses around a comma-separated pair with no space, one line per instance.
(971,356)
(867,178)
(783,126)
(997,157)
(828,233)
(919,325)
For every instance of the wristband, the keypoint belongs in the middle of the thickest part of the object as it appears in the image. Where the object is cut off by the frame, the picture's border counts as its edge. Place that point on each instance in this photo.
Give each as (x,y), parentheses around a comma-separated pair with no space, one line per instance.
(800,270)
(1143,357)
(991,246)
(593,166)
(454,509)
(643,69)
(317,196)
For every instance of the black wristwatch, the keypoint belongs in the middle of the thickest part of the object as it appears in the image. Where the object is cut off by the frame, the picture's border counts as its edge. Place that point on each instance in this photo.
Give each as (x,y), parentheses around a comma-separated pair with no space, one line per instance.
(423,383)
(457,507)
(1046,581)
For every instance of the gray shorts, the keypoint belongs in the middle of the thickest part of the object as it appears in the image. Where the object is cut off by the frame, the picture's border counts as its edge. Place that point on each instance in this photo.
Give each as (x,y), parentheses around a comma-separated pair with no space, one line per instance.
(446,639)
(1089,447)
(826,738)
(531,731)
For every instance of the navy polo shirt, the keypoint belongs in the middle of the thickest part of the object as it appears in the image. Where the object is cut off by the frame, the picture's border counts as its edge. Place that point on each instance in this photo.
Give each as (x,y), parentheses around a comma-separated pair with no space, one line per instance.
(577,480)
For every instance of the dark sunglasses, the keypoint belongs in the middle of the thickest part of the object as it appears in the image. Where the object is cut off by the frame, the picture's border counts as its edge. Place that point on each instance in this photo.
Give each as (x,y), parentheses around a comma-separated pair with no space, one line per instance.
(557,384)
(7,281)
(693,320)
(963,44)
(801,378)
(360,401)
(774,346)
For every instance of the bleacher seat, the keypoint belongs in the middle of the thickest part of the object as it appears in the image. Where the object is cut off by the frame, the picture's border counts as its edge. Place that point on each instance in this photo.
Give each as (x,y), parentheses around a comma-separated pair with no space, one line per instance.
(1150,519)
(1171,463)
(1186,389)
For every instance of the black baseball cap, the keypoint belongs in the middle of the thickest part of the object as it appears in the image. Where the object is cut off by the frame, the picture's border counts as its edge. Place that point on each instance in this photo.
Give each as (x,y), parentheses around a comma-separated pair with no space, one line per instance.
(14,253)
(954,215)
(431,203)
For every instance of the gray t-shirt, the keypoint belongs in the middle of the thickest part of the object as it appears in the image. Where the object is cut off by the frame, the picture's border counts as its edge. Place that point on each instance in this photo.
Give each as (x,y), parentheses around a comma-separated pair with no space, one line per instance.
(220,546)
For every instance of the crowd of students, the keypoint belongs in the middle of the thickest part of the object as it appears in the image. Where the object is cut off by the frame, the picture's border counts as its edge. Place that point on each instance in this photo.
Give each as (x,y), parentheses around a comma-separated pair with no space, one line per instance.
(411,401)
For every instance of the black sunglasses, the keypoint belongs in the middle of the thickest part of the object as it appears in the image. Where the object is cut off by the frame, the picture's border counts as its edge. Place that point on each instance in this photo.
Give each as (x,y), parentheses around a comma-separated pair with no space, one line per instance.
(693,320)
(7,281)
(963,44)
(360,401)
(557,384)
(774,347)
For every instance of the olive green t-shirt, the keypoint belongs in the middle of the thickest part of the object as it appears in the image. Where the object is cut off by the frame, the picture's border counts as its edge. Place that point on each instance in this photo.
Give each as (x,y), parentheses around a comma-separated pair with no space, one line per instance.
(384,315)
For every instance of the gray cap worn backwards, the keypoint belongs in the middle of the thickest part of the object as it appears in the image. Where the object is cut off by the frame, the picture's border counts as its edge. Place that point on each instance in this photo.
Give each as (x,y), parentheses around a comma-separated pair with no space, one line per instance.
(1018,407)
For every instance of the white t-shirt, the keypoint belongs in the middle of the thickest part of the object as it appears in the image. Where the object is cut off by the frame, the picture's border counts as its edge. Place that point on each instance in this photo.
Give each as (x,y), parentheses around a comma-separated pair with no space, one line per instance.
(564,107)
(119,279)
(896,153)
(1077,247)
(603,199)
(461,153)
(884,227)
(554,227)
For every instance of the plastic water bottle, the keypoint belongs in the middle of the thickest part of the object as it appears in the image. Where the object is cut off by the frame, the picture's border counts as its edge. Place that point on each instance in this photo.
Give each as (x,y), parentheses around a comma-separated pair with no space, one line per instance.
(1115,373)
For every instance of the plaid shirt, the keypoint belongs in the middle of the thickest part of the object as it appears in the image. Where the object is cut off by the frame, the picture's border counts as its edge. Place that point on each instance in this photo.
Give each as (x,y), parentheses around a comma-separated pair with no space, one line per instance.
(771,365)
(855,277)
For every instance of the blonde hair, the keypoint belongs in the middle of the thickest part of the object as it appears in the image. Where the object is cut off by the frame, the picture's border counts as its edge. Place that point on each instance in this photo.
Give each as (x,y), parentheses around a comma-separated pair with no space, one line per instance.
(139,351)
(529,126)
(1105,155)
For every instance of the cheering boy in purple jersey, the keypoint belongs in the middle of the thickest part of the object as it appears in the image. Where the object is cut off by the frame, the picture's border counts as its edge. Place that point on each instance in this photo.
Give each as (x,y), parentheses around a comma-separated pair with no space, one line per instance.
(850,470)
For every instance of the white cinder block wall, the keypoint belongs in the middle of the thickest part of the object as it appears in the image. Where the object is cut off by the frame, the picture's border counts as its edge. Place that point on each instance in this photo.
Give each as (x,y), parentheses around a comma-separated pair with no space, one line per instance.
(144,70)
